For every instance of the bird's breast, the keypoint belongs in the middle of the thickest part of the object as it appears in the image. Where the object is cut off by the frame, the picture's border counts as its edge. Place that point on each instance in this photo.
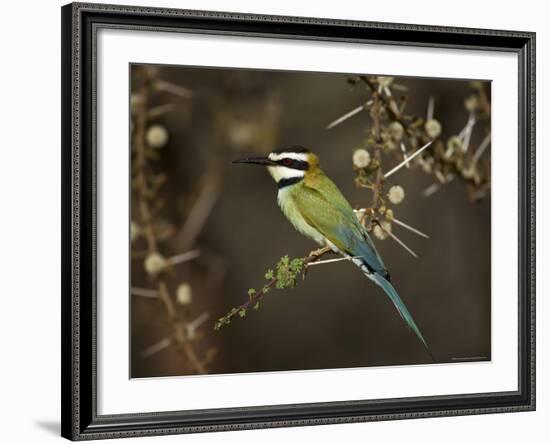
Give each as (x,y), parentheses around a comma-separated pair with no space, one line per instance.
(289,208)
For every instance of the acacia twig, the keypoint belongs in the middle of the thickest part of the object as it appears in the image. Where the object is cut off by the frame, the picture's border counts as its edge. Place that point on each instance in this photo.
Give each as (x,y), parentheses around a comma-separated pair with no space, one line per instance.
(284,276)
(146,222)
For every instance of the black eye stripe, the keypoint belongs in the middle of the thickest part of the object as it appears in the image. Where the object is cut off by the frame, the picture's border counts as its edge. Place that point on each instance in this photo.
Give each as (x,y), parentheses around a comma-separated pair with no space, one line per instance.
(294,164)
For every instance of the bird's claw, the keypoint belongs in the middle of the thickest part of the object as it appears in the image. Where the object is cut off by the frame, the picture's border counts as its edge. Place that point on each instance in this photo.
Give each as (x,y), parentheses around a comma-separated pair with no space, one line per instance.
(316,254)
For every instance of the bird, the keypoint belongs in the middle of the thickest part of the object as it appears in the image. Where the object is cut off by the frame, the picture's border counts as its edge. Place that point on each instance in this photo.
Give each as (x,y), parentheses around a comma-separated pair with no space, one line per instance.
(317,209)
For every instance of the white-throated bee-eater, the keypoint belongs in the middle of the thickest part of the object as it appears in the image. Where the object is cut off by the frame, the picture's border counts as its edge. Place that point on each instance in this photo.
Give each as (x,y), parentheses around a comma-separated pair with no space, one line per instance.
(318,210)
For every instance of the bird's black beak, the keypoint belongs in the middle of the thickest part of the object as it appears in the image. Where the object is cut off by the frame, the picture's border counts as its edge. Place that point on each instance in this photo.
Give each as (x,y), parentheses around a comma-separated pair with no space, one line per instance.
(256,161)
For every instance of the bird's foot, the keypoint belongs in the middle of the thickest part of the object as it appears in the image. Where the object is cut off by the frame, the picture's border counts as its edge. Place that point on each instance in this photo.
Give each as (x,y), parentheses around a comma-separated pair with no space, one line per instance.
(315,255)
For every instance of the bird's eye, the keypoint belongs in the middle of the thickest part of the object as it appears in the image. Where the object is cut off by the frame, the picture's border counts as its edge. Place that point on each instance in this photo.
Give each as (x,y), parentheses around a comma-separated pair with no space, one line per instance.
(287,162)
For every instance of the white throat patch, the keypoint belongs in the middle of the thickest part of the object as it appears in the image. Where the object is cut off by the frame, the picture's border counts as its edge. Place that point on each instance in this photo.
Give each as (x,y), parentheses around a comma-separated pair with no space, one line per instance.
(281,172)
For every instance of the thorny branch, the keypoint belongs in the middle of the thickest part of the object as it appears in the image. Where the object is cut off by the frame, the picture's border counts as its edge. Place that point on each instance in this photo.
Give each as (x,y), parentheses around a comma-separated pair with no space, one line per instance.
(392,128)
(143,184)
(285,275)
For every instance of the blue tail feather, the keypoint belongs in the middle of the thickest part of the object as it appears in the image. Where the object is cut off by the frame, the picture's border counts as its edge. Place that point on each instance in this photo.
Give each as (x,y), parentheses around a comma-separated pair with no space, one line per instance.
(401,308)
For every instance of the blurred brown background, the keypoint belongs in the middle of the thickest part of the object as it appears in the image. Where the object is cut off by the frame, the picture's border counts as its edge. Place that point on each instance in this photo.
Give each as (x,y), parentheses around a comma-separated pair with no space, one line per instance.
(336,317)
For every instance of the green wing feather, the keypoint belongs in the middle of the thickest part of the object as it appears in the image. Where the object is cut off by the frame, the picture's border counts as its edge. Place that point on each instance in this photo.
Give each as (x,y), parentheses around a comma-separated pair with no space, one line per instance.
(324,207)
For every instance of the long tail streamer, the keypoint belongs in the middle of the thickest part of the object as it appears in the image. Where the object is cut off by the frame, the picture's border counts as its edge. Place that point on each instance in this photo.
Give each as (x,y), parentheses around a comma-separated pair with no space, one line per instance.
(401,308)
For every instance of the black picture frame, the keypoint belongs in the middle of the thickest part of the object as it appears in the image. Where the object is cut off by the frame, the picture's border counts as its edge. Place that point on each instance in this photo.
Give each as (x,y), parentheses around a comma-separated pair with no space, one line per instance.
(79,170)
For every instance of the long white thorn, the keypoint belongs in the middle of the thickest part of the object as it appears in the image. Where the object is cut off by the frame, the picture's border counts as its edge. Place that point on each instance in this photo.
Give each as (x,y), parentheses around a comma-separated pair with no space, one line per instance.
(405,157)
(172,88)
(439,175)
(481,149)
(184,257)
(160,110)
(399,241)
(466,133)
(346,116)
(469,122)
(430,112)
(329,261)
(467,138)
(201,319)
(155,348)
(402,164)
(144,292)
(192,326)
(431,189)
(408,227)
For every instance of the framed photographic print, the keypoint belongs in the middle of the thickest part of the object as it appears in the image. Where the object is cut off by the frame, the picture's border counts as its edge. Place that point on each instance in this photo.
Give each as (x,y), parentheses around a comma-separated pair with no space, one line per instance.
(281,221)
